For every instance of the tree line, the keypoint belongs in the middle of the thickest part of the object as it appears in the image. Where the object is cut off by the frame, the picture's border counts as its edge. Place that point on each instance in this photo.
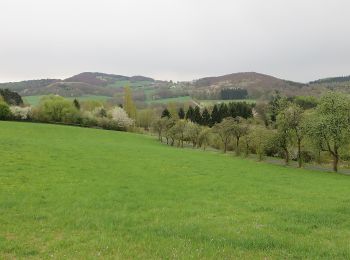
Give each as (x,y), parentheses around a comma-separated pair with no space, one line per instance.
(317,135)
(209,117)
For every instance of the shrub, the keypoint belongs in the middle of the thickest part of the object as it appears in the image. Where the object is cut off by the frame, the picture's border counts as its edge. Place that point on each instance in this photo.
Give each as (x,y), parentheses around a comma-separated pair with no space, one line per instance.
(121,118)
(5,112)
(21,113)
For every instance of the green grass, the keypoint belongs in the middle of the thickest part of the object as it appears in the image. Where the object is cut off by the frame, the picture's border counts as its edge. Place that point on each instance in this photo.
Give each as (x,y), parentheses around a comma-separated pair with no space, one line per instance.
(123,83)
(168,100)
(69,192)
(213,102)
(34,100)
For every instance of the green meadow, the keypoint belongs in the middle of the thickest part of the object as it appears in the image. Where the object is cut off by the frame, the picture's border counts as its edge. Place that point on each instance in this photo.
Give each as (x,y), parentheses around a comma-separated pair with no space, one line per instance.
(79,193)
(34,100)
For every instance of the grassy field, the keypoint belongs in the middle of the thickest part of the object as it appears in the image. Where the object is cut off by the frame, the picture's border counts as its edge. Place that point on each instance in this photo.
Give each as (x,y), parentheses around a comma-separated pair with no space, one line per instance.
(213,102)
(123,83)
(69,192)
(34,100)
(168,100)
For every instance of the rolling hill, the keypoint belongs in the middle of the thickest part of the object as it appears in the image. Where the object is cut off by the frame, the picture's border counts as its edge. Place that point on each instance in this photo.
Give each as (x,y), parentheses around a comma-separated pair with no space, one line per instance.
(259,86)
(78,193)
(86,83)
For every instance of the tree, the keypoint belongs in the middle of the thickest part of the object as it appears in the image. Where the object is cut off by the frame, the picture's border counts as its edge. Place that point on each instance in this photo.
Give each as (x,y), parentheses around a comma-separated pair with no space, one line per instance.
(169,130)
(192,132)
(239,129)
(204,137)
(173,110)
(189,113)
(259,139)
(179,131)
(76,104)
(206,117)
(197,117)
(129,105)
(181,113)
(5,112)
(145,118)
(291,120)
(330,124)
(215,117)
(225,131)
(56,109)
(10,97)
(165,113)
(122,119)
(158,126)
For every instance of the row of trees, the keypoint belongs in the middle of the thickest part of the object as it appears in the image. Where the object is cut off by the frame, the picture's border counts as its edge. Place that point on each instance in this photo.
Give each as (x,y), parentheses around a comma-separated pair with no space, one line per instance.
(211,117)
(233,93)
(303,135)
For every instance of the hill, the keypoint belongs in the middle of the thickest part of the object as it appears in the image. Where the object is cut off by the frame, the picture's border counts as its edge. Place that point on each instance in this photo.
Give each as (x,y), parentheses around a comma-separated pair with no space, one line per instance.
(77,193)
(258,85)
(86,83)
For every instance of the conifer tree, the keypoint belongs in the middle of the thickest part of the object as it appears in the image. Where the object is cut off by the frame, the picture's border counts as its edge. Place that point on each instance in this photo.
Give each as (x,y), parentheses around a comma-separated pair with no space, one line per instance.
(166,113)
(205,117)
(181,113)
(197,117)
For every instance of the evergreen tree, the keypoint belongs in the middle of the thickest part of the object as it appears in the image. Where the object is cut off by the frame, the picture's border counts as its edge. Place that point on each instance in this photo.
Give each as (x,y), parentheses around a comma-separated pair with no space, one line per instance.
(181,113)
(166,113)
(215,117)
(197,117)
(189,113)
(223,111)
(76,104)
(205,117)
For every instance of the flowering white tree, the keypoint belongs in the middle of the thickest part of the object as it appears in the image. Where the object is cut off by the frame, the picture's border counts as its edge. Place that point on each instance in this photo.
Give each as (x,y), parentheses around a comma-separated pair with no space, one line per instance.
(121,117)
(21,113)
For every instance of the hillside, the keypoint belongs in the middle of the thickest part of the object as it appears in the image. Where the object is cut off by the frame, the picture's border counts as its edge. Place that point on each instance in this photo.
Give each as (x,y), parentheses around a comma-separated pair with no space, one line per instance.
(77,193)
(86,83)
(258,85)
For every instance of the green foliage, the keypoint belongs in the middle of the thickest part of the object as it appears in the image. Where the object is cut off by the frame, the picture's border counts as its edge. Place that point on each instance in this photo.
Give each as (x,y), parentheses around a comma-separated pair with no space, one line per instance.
(5,112)
(329,126)
(10,97)
(56,109)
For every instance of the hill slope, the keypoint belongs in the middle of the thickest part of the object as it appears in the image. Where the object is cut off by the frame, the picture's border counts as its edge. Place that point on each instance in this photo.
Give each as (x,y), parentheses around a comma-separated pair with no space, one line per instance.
(257,84)
(70,192)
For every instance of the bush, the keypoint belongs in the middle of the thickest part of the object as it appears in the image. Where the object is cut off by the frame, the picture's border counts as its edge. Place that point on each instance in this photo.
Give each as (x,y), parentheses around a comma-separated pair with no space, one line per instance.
(56,109)
(21,113)
(5,112)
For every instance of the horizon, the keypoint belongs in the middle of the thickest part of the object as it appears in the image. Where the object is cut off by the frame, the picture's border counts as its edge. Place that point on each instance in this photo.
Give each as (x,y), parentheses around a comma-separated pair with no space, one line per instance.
(189,80)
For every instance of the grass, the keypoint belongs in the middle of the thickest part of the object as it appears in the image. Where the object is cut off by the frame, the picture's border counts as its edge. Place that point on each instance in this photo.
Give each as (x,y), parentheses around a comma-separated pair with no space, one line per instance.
(167,100)
(34,100)
(123,83)
(213,102)
(69,192)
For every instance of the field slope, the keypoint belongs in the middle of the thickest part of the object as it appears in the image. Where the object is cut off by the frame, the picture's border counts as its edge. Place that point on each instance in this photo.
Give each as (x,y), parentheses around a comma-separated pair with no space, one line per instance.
(70,192)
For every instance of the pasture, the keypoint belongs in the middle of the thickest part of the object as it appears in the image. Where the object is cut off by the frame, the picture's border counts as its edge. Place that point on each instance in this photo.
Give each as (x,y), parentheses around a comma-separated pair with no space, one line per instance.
(70,192)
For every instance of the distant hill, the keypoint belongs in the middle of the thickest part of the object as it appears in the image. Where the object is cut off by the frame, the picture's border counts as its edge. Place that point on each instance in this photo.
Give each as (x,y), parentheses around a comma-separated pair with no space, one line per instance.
(257,84)
(86,83)
(331,80)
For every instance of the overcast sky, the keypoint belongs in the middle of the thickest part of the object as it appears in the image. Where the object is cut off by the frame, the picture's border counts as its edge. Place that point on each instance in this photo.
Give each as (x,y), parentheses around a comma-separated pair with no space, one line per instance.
(299,40)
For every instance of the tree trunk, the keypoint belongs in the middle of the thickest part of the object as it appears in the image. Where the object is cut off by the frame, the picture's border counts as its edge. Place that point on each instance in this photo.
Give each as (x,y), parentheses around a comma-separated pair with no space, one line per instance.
(286,156)
(237,146)
(225,147)
(299,154)
(335,162)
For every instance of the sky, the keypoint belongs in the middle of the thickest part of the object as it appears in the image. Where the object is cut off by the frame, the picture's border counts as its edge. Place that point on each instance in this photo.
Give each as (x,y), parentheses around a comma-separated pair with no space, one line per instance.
(298,40)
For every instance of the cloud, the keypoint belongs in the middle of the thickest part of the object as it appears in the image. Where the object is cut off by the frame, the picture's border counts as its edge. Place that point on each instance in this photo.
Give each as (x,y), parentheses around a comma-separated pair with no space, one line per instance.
(168,39)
